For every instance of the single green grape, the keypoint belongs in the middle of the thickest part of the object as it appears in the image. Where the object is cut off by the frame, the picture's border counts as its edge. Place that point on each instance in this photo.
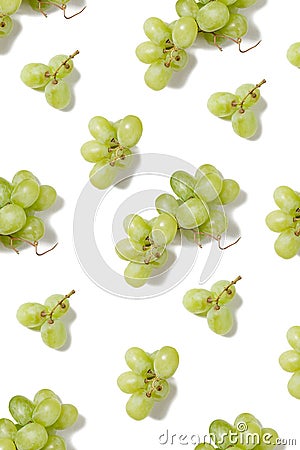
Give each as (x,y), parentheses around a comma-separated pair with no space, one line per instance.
(52,302)
(138,229)
(227,295)
(287,245)
(46,198)
(138,360)
(286,199)
(5,192)
(216,224)
(102,130)
(184,32)
(129,131)
(54,335)
(139,405)
(137,274)
(244,123)
(55,443)
(58,94)
(47,412)
(33,230)
(103,174)
(42,394)
(32,436)
(160,390)
(242,93)
(93,151)
(236,27)
(12,219)
(66,67)
(9,7)
(30,315)
(209,187)
(293,54)
(192,213)
(213,16)
(23,175)
(290,361)
(67,418)
(25,193)
(164,229)
(158,75)
(279,221)
(148,52)
(166,362)
(156,30)
(130,382)
(8,429)
(187,8)
(294,385)
(196,300)
(293,337)
(21,409)
(35,75)
(166,203)
(222,104)
(230,191)
(220,320)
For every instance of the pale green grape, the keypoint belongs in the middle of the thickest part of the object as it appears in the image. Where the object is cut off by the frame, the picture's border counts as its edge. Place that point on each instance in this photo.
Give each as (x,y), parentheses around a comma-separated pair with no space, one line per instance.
(166,362)
(93,151)
(158,75)
(55,443)
(8,429)
(103,174)
(243,90)
(53,300)
(139,405)
(102,130)
(31,437)
(126,251)
(139,246)
(182,184)
(294,385)
(10,7)
(228,2)
(293,337)
(35,75)
(68,416)
(205,169)
(33,230)
(278,221)
(148,52)
(213,16)
(209,187)
(220,430)
(5,192)
(164,229)
(58,94)
(179,60)
(186,8)
(21,409)
(130,382)
(30,314)
(65,69)
(138,361)
(161,391)
(192,213)
(23,175)
(54,334)
(25,193)
(228,295)
(216,224)
(236,27)
(220,320)
(287,199)
(37,6)
(245,418)
(244,3)
(156,30)
(46,198)
(230,191)
(161,261)
(185,32)
(7,444)
(126,222)
(47,412)
(195,301)
(290,361)
(137,274)
(269,439)
(287,245)
(222,104)
(129,131)
(124,162)
(293,54)
(251,436)
(6,26)
(138,229)
(166,203)
(42,394)
(12,219)
(244,123)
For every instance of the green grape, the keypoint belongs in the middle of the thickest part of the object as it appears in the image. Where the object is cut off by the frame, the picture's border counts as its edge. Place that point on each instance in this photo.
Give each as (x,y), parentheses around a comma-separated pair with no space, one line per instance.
(138,229)
(222,104)
(244,3)
(293,54)
(68,416)
(54,334)
(227,295)
(8,429)
(35,75)
(213,16)
(7,444)
(130,382)
(126,251)
(217,223)
(251,99)
(148,52)
(185,32)
(21,409)
(30,315)
(42,394)
(158,75)
(157,31)
(161,390)
(290,361)
(245,418)
(138,246)
(47,412)
(55,443)
(32,436)
(293,337)
(129,131)
(228,2)
(182,184)
(220,431)
(103,174)
(161,261)
(195,301)
(166,203)
(138,361)
(186,8)
(5,192)
(37,6)
(209,187)
(287,199)
(164,229)
(46,198)
(205,169)
(139,405)
(124,162)
(251,436)
(179,60)
(23,175)
(52,301)
(25,193)
(230,191)
(58,94)
(126,222)
(66,66)
(213,39)
(192,213)
(236,27)
(204,446)
(12,219)
(220,320)
(244,123)
(279,221)
(294,385)
(6,26)
(287,245)
(137,274)
(33,230)
(102,130)
(10,7)
(93,151)
(269,439)
(166,362)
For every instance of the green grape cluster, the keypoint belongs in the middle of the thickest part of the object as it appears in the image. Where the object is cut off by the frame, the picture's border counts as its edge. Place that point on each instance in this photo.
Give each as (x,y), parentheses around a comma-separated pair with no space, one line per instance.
(46,318)
(246,434)
(50,78)
(293,54)
(19,200)
(37,422)
(237,108)
(211,304)
(110,147)
(286,221)
(290,361)
(147,379)
(165,52)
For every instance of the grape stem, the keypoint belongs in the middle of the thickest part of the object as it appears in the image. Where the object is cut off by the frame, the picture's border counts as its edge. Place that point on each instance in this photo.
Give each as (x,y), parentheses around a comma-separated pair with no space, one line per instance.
(226,289)
(33,244)
(60,303)
(218,238)
(118,152)
(237,41)
(62,7)
(64,63)
(252,93)
(154,380)
(171,50)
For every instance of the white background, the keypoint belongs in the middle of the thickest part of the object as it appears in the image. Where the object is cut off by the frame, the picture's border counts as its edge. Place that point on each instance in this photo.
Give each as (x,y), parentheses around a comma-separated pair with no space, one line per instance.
(218,377)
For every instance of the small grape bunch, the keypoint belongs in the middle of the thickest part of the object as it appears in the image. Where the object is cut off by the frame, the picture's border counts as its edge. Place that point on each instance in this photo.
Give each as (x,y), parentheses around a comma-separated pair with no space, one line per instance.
(290,361)
(147,381)
(46,318)
(19,201)
(211,304)
(293,54)
(7,9)
(43,5)
(37,422)
(111,147)
(286,221)
(51,78)
(237,107)
(246,434)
